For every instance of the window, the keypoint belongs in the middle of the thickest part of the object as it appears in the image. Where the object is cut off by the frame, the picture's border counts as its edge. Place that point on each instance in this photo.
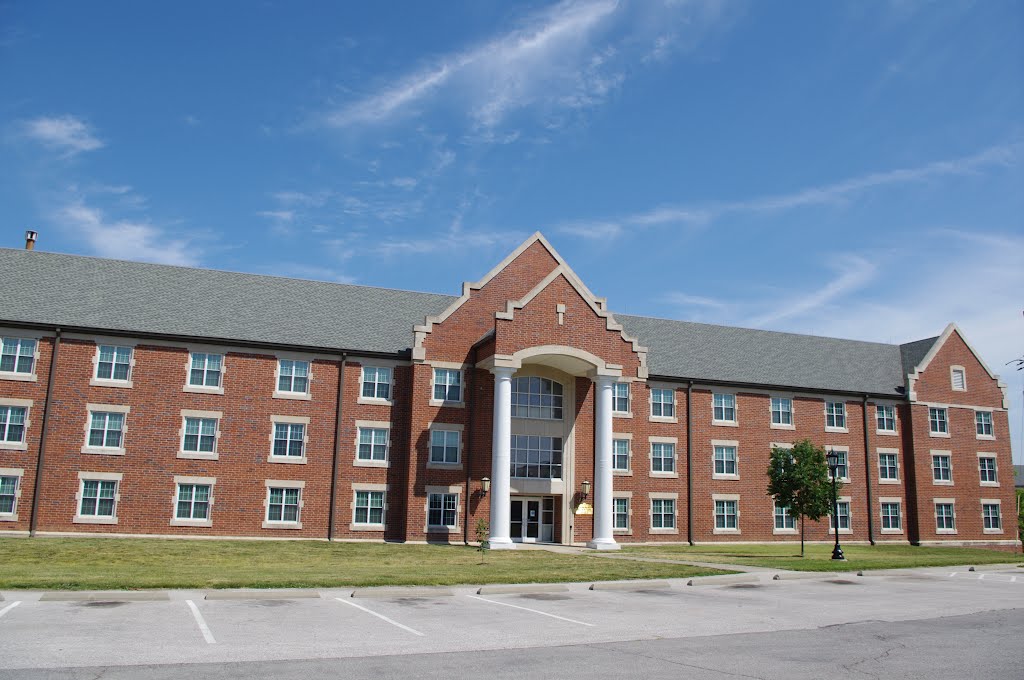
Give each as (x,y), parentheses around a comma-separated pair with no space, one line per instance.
(941,468)
(783,520)
(885,418)
(98,498)
(991,516)
(536,457)
(983,423)
(369,508)
(620,513)
(620,455)
(937,421)
(17,355)
(376,382)
(987,467)
(663,403)
(724,408)
(12,424)
(105,430)
(444,446)
(8,494)
(373,444)
(205,370)
(620,397)
(443,510)
(534,397)
(663,457)
(200,435)
(293,376)
(447,384)
(283,504)
(891,516)
(958,378)
(663,513)
(289,440)
(725,460)
(835,415)
(115,363)
(944,517)
(193,501)
(888,466)
(844,517)
(842,467)
(725,515)
(782,411)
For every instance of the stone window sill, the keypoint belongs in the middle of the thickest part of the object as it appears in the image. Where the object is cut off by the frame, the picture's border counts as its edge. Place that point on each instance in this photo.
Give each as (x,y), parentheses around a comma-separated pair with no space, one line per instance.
(287,460)
(282,525)
(19,377)
(366,527)
(300,396)
(199,455)
(97,382)
(359,462)
(94,520)
(191,523)
(97,451)
(199,389)
(444,466)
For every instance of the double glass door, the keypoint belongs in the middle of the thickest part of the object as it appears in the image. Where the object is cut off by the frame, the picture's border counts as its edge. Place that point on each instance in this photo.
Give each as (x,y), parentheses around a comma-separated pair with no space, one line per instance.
(533,519)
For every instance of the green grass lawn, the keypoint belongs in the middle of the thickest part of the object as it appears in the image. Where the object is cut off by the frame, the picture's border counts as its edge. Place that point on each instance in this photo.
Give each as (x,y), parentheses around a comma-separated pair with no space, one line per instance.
(127,563)
(819,556)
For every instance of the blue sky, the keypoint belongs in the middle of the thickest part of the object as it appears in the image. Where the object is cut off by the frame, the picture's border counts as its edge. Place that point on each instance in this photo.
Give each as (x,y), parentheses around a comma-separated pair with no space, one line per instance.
(847,169)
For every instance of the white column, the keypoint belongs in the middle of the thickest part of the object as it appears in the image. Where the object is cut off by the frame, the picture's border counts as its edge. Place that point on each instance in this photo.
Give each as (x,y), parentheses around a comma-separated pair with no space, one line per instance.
(603,509)
(501,459)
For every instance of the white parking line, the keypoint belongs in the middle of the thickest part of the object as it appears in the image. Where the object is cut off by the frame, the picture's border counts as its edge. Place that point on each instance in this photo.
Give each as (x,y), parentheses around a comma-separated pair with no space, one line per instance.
(379,616)
(535,611)
(207,635)
(9,607)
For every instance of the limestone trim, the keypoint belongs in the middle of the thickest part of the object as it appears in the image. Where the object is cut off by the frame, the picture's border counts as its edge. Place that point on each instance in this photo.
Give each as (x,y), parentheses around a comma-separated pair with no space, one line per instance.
(371,425)
(95,381)
(888,500)
(23,444)
(915,374)
(103,477)
(429,528)
(668,496)
(944,501)
(283,484)
(199,455)
(995,461)
(444,427)
(18,473)
(180,522)
(515,361)
(996,502)
(105,408)
(628,530)
(727,443)
(369,526)
(294,420)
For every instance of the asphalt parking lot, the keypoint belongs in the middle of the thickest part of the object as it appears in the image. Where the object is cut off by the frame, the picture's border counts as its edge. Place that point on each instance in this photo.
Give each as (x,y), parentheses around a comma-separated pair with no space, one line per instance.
(42,631)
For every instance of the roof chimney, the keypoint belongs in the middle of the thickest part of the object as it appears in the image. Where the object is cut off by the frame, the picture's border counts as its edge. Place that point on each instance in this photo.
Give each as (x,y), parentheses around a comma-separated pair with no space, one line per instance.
(30,239)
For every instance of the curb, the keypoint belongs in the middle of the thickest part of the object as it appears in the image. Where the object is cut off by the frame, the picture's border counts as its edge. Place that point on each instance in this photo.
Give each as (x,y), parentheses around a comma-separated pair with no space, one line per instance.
(725,580)
(804,575)
(525,589)
(260,594)
(425,591)
(99,596)
(630,585)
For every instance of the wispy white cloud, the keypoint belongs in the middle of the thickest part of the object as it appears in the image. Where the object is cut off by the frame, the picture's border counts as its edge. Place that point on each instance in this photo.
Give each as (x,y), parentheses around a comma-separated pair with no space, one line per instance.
(67,134)
(126,239)
(854,272)
(277,215)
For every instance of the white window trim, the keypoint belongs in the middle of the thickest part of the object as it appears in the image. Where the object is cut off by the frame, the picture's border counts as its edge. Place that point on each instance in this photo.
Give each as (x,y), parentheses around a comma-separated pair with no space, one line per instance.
(674,418)
(14,375)
(369,526)
(199,455)
(429,528)
(775,530)
(374,425)
(664,496)
(18,403)
(952,383)
(628,531)
(99,477)
(204,389)
(443,427)
(935,515)
(846,415)
(878,458)
(942,435)
(20,474)
(283,484)
(895,432)
(301,396)
(105,408)
(992,422)
(792,415)
(931,467)
(994,457)
(831,520)
(294,420)
(629,459)
(674,441)
(94,381)
(380,401)
(849,464)
(735,422)
(894,499)
(727,497)
(448,366)
(623,414)
(725,442)
(983,502)
(205,481)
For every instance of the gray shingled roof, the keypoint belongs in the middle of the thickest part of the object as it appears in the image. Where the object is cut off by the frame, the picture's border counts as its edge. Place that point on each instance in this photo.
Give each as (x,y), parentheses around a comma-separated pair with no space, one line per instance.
(133,297)
(912,353)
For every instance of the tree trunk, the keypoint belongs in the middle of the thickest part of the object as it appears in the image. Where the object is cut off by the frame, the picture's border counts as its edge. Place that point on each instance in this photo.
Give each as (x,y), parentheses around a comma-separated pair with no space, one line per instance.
(802,520)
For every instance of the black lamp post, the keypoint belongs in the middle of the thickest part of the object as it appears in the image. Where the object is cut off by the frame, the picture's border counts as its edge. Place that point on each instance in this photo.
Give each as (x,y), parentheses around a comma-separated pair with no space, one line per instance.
(833,466)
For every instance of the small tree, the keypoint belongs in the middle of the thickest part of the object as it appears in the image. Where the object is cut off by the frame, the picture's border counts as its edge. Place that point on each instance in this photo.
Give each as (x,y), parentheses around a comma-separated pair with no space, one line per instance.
(798,478)
(483,534)
(1020,517)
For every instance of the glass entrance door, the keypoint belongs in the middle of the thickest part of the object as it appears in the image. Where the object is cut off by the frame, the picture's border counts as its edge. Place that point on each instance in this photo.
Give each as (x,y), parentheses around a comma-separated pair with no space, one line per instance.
(532,519)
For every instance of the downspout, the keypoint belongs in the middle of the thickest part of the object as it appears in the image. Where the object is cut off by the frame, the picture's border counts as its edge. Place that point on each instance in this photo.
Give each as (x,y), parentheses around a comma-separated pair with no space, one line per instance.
(689,462)
(467,449)
(867,473)
(337,446)
(34,513)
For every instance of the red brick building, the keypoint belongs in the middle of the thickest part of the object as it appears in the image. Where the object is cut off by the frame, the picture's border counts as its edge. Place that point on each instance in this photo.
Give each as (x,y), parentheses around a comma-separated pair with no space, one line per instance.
(166,401)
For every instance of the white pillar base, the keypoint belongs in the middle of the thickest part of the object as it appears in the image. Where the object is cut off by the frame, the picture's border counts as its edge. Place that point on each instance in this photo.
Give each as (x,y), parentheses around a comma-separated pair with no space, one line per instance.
(603,544)
(501,544)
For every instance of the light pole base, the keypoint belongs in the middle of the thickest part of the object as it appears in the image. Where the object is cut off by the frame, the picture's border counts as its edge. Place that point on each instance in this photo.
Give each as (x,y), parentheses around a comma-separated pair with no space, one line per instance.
(837,554)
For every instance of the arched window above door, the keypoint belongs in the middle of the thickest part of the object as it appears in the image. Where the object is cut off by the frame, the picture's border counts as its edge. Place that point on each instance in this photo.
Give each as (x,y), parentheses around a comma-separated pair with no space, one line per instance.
(538,398)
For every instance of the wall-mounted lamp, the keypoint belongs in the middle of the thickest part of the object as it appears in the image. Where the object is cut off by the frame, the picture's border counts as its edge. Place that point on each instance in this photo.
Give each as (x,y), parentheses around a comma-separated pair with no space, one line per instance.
(586,488)
(485,486)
